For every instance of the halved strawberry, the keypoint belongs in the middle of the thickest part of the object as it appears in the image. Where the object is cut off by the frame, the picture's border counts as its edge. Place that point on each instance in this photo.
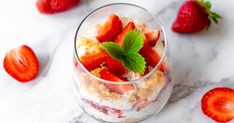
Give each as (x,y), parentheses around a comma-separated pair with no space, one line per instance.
(218,104)
(115,66)
(146,71)
(93,61)
(151,56)
(118,88)
(152,37)
(110,29)
(127,28)
(21,63)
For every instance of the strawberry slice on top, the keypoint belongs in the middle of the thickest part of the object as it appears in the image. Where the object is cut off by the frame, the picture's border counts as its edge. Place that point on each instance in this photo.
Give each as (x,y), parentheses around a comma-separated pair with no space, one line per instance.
(115,66)
(92,61)
(110,30)
(218,104)
(152,37)
(118,88)
(21,63)
(127,28)
(151,56)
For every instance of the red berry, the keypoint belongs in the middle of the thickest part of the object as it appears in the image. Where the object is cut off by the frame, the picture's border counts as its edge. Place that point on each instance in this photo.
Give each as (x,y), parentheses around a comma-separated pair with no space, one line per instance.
(93,61)
(194,16)
(54,6)
(218,104)
(151,56)
(152,37)
(110,29)
(118,88)
(115,66)
(127,28)
(21,63)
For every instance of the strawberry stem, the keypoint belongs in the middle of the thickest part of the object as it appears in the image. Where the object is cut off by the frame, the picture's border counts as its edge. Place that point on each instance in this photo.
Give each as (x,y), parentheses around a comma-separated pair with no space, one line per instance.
(207,6)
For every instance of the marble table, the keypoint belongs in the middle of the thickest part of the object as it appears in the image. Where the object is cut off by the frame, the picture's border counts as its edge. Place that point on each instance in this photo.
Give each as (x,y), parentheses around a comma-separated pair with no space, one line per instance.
(201,62)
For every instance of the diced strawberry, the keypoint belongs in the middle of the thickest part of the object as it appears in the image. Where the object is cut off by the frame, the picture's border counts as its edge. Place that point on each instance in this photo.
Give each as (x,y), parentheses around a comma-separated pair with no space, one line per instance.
(152,37)
(118,88)
(218,104)
(93,61)
(151,56)
(146,70)
(115,66)
(127,28)
(21,63)
(110,30)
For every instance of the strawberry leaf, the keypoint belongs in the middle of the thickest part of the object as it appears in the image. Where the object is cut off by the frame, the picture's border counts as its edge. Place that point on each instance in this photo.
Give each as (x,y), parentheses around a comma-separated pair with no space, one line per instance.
(135,62)
(208,4)
(114,50)
(133,41)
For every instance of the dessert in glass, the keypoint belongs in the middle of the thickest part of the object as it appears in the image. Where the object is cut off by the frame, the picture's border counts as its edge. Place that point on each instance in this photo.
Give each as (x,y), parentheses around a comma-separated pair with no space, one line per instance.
(121,67)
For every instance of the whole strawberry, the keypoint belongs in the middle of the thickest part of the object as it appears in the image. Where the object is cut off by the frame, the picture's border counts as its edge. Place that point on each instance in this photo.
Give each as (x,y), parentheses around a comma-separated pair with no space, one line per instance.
(194,16)
(55,6)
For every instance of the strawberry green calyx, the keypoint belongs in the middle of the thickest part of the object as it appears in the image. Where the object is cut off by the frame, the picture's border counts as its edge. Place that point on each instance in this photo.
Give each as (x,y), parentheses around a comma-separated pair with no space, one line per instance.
(207,6)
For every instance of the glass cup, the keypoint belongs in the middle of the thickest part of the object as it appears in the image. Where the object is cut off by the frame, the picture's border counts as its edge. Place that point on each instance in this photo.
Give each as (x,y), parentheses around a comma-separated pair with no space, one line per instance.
(150,92)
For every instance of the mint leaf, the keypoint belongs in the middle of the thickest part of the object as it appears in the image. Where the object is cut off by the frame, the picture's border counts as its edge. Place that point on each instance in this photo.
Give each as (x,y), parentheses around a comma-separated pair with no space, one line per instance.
(114,50)
(133,41)
(134,62)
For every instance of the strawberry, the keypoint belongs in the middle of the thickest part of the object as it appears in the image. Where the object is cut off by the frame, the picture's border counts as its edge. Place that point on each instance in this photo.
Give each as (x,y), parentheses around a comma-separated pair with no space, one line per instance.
(152,37)
(92,61)
(118,88)
(21,63)
(115,66)
(110,29)
(152,57)
(194,16)
(127,28)
(218,104)
(55,6)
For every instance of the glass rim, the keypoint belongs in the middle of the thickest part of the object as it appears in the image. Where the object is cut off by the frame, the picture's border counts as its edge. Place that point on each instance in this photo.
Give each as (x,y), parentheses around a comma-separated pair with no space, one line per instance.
(121,82)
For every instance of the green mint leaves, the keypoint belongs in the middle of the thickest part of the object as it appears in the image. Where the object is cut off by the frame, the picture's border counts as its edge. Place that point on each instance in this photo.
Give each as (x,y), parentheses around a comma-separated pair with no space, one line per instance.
(114,50)
(133,42)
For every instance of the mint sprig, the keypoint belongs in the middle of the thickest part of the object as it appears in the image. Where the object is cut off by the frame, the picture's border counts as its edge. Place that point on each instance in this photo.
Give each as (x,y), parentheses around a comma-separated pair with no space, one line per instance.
(128,55)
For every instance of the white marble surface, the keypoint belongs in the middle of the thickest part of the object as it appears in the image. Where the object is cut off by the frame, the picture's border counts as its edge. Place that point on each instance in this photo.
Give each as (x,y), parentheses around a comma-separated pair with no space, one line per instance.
(201,61)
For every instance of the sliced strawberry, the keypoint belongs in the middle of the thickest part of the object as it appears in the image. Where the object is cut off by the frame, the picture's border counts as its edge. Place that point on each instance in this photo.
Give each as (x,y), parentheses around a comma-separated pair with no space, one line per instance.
(150,55)
(218,104)
(93,61)
(127,28)
(115,66)
(146,70)
(152,37)
(110,29)
(21,63)
(118,88)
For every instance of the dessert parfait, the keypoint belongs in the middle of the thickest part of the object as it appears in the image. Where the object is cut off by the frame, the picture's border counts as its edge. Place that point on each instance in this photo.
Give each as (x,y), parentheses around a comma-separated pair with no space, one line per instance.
(121,74)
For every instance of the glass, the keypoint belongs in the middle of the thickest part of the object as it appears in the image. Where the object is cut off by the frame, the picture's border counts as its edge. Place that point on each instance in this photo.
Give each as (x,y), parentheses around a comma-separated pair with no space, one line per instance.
(151,91)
